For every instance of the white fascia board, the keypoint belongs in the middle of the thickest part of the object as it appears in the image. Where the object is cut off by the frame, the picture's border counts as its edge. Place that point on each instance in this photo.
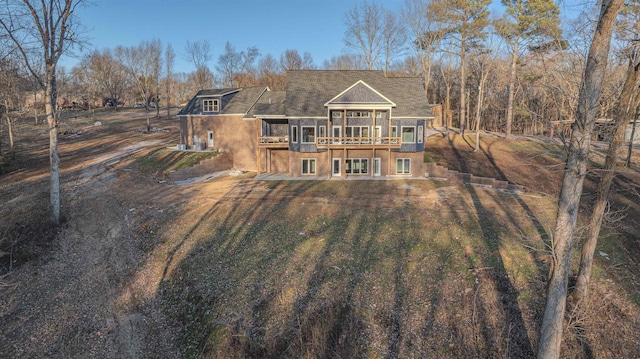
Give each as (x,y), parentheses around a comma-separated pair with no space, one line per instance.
(221,94)
(271,117)
(306,117)
(359,106)
(369,87)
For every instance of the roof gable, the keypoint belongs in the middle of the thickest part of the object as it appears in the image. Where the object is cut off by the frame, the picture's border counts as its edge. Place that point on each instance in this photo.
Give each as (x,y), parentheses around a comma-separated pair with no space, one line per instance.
(360,93)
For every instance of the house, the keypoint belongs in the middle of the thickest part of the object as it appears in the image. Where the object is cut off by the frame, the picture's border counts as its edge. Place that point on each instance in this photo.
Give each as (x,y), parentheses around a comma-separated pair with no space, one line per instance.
(326,124)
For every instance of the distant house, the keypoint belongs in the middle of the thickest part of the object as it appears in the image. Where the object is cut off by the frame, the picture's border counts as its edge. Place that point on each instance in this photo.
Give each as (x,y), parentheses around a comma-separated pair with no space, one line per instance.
(326,124)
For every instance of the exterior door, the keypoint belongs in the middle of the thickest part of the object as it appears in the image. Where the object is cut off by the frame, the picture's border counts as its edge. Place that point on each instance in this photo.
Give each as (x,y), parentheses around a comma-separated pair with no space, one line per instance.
(336,169)
(376,166)
(337,134)
(210,139)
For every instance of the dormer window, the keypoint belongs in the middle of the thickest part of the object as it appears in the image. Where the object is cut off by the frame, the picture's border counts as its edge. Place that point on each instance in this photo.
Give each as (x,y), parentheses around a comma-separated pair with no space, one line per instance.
(212,105)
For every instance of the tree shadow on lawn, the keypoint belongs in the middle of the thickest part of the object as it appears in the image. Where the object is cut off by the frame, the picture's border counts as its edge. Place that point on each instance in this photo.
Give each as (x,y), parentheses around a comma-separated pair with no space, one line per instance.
(294,273)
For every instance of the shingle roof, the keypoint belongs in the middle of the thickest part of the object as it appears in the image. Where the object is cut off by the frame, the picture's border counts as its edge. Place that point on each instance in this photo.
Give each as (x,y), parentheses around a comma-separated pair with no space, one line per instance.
(240,103)
(243,101)
(309,90)
(359,93)
(271,103)
(216,92)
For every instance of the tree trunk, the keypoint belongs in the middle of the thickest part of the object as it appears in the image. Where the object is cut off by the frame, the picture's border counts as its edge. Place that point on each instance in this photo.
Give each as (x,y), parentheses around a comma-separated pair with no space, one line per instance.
(10,130)
(35,105)
(148,119)
(633,136)
(625,111)
(54,159)
(576,167)
(463,84)
(512,90)
(479,110)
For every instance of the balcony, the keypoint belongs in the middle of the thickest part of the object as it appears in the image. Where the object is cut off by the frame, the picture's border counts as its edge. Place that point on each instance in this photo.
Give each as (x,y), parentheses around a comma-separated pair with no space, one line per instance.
(274,141)
(358,142)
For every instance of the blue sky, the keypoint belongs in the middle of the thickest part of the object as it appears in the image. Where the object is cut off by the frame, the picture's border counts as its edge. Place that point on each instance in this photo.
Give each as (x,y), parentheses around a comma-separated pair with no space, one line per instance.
(272,26)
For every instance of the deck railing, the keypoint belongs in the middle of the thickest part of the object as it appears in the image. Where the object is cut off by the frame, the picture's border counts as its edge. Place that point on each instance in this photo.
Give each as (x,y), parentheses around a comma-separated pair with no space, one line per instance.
(359,141)
(274,140)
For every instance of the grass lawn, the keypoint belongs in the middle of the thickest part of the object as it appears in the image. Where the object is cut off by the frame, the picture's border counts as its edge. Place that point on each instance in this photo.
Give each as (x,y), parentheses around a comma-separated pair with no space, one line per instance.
(359,269)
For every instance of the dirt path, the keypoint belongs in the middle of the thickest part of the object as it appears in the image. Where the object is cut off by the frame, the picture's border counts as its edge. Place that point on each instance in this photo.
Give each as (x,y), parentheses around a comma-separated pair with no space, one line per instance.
(70,303)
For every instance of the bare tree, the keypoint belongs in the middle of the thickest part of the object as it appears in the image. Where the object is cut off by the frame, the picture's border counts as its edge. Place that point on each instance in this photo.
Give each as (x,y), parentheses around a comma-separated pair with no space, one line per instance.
(426,32)
(199,54)
(108,75)
(625,111)
(143,63)
(291,60)
(345,62)
(50,29)
(551,328)
(269,73)
(364,31)
(394,38)
(169,56)
(236,66)
(228,64)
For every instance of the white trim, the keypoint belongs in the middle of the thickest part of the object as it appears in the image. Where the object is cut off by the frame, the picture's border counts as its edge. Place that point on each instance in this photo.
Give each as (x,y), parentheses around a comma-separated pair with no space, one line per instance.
(257,99)
(325,131)
(402,134)
(221,94)
(270,117)
(315,170)
(333,162)
(302,141)
(215,105)
(369,87)
(411,118)
(359,161)
(306,118)
(358,106)
(379,160)
(420,137)
(403,169)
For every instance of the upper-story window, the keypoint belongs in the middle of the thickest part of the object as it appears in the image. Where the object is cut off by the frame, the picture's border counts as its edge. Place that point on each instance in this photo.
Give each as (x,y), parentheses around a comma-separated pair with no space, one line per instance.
(212,105)
(358,114)
(336,114)
(308,134)
(408,134)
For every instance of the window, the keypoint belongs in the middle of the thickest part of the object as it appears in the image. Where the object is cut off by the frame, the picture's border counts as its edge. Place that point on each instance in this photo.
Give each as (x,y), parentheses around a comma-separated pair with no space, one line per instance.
(403,166)
(357,166)
(294,134)
(322,131)
(420,134)
(378,114)
(308,166)
(308,134)
(210,105)
(357,131)
(394,131)
(358,114)
(336,114)
(408,135)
